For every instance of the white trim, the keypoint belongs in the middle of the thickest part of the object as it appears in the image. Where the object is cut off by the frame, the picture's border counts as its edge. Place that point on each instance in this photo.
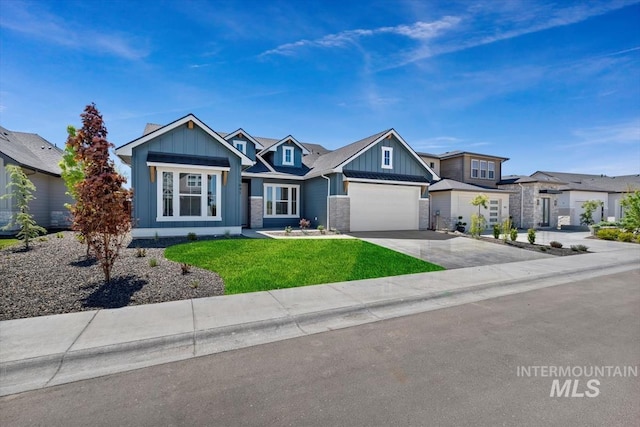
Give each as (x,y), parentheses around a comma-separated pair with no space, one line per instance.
(274,147)
(258,155)
(382,181)
(255,197)
(384,151)
(141,233)
(242,143)
(176,195)
(181,166)
(246,135)
(339,196)
(127,149)
(278,185)
(291,151)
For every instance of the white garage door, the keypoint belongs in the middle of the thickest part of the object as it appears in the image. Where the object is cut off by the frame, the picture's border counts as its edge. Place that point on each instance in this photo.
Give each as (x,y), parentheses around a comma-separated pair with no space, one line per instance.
(378,207)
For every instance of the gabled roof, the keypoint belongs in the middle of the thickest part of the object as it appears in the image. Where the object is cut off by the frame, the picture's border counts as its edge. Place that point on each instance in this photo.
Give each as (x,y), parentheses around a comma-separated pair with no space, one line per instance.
(274,146)
(125,151)
(457,153)
(452,184)
(335,160)
(589,182)
(242,132)
(31,151)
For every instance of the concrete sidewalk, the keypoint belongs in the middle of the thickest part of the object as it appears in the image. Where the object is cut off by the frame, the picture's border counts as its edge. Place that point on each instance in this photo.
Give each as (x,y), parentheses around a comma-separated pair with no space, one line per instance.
(50,350)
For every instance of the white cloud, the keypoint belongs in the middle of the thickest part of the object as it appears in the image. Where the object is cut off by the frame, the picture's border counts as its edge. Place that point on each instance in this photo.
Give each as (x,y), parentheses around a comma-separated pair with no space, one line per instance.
(625,133)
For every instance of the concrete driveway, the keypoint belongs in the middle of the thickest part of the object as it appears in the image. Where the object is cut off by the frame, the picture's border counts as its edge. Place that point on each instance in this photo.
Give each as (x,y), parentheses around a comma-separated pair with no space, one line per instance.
(447,250)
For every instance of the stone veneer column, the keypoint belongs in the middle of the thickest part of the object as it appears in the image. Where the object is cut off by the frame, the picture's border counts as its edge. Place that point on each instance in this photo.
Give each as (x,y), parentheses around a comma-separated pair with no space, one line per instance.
(255,212)
(340,213)
(423,214)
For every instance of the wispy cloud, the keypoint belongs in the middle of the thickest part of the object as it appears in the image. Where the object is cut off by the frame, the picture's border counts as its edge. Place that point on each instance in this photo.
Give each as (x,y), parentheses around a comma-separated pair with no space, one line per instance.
(625,133)
(416,31)
(39,24)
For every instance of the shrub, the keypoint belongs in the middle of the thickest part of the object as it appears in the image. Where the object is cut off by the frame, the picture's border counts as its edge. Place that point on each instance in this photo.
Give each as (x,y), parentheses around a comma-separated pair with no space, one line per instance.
(631,204)
(586,217)
(555,244)
(543,248)
(514,234)
(496,231)
(153,262)
(608,234)
(531,235)
(321,229)
(506,229)
(194,284)
(59,235)
(192,236)
(287,230)
(579,248)
(478,224)
(625,236)
(304,223)
(185,268)
(141,252)
(227,234)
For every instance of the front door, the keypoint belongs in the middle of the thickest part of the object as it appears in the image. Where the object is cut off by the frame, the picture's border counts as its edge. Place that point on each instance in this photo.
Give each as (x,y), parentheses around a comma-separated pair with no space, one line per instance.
(546,211)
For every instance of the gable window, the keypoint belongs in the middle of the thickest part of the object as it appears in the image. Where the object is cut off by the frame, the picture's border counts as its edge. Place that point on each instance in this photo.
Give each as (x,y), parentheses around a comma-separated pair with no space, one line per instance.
(492,170)
(281,200)
(182,195)
(240,145)
(287,156)
(387,158)
(475,168)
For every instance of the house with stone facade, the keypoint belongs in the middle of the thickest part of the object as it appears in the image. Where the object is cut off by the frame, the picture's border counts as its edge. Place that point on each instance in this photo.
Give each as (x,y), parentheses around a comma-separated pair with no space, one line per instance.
(187,178)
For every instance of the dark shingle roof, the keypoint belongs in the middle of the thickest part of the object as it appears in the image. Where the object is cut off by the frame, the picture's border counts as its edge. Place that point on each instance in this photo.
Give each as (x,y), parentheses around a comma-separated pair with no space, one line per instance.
(452,184)
(187,159)
(31,150)
(588,182)
(456,153)
(384,176)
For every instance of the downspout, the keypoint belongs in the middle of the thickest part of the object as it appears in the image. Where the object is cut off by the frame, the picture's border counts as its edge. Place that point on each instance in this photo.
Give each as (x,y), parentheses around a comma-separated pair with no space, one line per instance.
(521,202)
(328,194)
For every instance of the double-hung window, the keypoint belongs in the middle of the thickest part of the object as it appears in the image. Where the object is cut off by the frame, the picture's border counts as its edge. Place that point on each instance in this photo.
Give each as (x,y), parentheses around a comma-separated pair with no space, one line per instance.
(483,169)
(281,200)
(492,170)
(387,158)
(475,168)
(188,195)
(287,156)
(240,145)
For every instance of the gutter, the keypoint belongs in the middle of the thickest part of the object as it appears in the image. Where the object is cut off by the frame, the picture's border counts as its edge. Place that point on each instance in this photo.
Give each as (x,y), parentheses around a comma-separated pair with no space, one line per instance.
(328,194)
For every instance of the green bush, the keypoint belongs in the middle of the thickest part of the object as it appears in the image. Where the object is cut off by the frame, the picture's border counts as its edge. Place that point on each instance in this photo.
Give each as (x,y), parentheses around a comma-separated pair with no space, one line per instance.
(478,224)
(496,231)
(625,236)
(608,234)
(514,234)
(579,248)
(192,237)
(555,244)
(531,235)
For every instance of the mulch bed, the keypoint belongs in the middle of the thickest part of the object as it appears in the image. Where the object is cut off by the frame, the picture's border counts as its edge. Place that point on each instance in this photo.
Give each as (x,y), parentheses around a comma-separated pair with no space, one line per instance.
(546,249)
(56,277)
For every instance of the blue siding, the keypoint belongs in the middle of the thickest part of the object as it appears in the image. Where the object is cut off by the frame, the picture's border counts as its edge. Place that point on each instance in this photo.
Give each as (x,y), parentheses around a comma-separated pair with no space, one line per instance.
(297,155)
(256,187)
(337,184)
(183,141)
(251,148)
(314,204)
(403,161)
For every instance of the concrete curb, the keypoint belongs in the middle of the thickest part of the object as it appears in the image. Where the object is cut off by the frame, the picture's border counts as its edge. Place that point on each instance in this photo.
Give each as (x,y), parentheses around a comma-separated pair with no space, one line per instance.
(73,365)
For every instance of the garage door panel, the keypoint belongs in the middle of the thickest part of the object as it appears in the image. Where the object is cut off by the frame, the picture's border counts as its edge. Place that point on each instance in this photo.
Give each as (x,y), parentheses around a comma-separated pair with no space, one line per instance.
(379,207)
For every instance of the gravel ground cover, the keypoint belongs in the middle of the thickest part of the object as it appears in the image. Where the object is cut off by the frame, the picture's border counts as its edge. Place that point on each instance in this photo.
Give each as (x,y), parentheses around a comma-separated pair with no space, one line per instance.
(55,277)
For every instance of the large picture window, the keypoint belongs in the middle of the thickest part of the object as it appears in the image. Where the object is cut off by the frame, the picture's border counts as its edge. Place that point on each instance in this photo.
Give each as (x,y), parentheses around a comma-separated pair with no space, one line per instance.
(188,195)
(281,200)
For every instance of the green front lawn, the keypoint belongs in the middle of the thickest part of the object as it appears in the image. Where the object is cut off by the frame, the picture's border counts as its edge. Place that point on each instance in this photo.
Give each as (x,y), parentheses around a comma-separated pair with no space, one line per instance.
(5,243)
(250,265)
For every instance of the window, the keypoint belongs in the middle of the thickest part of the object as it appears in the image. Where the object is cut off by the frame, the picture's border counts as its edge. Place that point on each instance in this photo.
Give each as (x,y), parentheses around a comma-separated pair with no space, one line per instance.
(182,196)
(281,200)
(432,165)
(474,168)
(287,156)
(387,158)
(483,169)
(240,145)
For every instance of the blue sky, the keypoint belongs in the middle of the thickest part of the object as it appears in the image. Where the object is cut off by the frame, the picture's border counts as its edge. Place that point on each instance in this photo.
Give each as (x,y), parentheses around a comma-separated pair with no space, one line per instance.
(551,86)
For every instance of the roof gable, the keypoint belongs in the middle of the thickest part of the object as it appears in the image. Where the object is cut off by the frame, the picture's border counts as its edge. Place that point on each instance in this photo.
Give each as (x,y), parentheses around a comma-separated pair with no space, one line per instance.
(276,144)
(241,133)
(125,151)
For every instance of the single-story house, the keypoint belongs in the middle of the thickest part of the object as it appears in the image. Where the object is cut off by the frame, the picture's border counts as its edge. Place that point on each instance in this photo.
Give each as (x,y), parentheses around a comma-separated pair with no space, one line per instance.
(39,160)
(555,199)
(187,177)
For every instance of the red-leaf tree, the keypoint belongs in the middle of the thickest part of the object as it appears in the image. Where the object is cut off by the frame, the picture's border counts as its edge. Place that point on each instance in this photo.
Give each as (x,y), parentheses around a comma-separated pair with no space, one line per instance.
(101,213)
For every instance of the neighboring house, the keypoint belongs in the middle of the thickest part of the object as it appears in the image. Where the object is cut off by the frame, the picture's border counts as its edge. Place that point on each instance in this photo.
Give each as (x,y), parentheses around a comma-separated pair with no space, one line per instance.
(555,199)
(465,175)
(187,177)
(39,159)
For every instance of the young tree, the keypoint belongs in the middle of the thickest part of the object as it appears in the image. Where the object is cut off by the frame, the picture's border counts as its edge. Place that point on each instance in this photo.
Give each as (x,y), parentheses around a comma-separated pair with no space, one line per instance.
(586,217)
(101,213)
(631,219)
(21,188)
(478,222)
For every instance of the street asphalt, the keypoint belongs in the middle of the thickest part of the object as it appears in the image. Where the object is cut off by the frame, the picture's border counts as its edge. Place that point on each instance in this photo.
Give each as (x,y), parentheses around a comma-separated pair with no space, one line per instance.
(50,350)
